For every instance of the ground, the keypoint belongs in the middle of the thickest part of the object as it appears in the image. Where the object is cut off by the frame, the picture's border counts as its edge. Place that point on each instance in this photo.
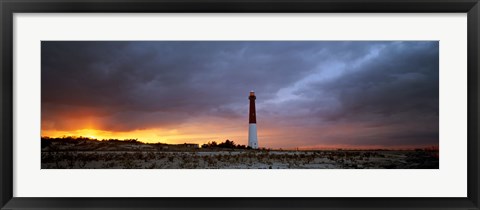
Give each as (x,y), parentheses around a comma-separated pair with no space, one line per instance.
(241,159)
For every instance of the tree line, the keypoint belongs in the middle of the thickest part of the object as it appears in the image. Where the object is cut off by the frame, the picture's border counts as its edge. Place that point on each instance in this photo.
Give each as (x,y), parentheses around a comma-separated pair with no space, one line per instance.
(226,144)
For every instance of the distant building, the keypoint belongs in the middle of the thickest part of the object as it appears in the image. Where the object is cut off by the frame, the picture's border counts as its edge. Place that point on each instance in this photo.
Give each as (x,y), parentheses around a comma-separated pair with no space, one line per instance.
(187,145)
(191,145)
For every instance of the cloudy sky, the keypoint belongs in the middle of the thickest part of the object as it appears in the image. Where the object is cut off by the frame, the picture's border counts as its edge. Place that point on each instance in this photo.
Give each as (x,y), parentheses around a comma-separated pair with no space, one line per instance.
(310,94)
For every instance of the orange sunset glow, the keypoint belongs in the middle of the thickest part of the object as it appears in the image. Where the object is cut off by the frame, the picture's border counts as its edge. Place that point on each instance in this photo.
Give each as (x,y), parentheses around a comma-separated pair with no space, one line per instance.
(149,135)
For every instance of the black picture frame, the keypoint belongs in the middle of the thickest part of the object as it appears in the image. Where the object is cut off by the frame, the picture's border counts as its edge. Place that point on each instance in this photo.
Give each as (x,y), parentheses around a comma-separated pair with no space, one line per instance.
(9,7)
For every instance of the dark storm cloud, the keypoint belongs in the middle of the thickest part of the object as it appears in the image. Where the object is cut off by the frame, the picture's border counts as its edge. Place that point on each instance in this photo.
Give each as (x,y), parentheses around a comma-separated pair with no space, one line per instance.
(394,90)
(145,77)
(388,88)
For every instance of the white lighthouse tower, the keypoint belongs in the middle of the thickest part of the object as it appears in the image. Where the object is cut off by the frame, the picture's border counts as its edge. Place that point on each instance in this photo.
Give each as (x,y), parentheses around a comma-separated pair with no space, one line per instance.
(252,120)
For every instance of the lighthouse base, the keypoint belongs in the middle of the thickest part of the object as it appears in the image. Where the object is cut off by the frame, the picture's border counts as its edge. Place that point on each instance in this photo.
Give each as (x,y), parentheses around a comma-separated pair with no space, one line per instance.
(252,136)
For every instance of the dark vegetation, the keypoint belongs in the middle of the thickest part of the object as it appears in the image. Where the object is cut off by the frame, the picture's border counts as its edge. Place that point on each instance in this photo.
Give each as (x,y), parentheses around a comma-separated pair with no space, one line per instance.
(69,143)
(226,145)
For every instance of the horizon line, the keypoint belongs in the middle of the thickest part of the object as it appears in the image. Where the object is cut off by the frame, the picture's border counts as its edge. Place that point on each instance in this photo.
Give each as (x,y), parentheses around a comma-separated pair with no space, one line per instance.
(302,148)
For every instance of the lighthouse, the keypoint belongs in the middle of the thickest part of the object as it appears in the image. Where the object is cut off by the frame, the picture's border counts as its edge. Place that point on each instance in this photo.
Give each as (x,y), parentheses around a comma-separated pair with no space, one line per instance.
(252,123)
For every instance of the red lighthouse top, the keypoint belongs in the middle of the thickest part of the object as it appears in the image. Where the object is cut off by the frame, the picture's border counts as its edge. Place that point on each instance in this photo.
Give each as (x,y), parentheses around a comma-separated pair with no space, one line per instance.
(252,117)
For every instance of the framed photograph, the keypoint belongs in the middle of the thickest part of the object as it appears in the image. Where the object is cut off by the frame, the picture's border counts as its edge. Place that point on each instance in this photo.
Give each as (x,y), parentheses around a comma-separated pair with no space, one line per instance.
(240,104)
